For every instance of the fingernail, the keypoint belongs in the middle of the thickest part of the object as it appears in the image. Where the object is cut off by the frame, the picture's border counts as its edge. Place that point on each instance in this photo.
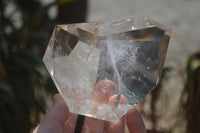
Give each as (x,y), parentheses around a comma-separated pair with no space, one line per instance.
(123,99)
(102,91)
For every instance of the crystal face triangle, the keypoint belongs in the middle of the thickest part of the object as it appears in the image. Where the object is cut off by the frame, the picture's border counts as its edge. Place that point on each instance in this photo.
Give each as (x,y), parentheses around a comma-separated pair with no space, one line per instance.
(103,68)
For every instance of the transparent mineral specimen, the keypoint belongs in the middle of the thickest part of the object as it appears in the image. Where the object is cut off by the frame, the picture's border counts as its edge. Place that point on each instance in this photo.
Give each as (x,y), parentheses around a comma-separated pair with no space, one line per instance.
(129,52)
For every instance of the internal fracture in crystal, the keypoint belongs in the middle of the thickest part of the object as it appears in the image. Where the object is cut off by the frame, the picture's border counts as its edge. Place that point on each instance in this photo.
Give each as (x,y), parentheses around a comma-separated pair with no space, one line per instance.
(130,53)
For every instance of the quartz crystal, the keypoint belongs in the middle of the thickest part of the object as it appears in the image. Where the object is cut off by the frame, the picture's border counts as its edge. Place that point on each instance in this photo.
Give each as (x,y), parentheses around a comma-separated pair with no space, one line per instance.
(128,52)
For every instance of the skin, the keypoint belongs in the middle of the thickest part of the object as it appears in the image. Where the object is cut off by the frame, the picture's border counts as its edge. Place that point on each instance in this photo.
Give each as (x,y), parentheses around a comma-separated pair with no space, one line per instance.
(60,120)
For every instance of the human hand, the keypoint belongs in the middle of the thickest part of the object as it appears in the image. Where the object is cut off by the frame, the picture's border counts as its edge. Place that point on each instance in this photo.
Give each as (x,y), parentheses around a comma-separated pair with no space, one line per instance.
(60,120)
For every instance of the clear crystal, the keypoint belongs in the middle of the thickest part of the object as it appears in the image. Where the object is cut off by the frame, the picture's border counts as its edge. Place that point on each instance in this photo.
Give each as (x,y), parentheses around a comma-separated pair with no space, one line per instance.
(129,52)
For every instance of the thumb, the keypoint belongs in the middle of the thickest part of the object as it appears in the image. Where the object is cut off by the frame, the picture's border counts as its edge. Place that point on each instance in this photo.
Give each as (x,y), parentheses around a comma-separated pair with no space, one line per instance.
(54,120)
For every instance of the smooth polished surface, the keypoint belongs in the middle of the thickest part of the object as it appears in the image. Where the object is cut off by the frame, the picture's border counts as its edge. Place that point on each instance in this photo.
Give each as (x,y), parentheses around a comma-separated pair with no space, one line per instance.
(129,54)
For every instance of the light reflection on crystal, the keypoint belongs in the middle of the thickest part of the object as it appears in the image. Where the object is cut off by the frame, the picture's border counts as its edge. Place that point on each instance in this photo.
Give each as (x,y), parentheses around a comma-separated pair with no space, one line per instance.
(128,52)
(51,71)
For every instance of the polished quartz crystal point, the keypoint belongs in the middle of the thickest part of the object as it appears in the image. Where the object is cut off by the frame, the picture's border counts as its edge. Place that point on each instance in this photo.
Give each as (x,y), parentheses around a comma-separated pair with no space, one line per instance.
(129,53)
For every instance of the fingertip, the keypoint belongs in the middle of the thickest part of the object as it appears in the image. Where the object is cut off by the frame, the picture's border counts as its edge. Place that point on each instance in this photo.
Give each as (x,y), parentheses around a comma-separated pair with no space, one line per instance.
(102,91)
(57,98)
(106,86)
(123,99)
(134,121)
(133,112)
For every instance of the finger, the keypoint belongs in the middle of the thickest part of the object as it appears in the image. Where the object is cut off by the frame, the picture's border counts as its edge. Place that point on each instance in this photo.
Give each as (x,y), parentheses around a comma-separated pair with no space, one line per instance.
(102,91)
(134,121)
(116,127)
(71,123)
(123,99)
(92,125)
(54,121)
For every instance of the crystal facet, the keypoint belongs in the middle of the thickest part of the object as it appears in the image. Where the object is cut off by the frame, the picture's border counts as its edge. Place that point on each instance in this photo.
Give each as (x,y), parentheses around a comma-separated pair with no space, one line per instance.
(128,52)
